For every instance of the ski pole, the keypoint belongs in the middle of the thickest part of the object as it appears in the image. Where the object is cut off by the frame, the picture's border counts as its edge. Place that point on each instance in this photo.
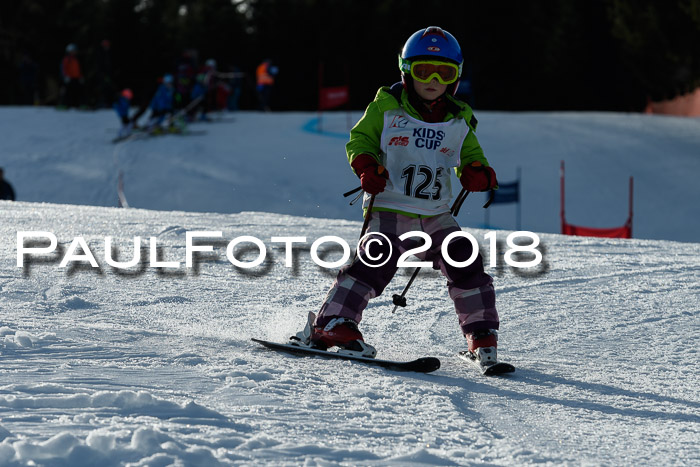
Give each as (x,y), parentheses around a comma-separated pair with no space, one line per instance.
(368,213)
(367,216)
(365,223)
(492,193)
(400,300)
(459,200)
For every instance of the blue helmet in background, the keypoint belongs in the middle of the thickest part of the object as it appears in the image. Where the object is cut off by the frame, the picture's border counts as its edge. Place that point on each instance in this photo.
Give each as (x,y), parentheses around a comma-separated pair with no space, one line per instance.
(431,43)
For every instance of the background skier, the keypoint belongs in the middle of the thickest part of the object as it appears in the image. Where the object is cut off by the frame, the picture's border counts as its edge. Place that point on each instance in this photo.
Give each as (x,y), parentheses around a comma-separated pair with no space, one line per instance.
(204,91)
(121,106)
(265,80)
(161,104)
(184,78)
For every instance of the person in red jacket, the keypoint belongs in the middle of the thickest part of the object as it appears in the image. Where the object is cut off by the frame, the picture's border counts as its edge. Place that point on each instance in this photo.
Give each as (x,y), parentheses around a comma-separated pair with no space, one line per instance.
(72,77)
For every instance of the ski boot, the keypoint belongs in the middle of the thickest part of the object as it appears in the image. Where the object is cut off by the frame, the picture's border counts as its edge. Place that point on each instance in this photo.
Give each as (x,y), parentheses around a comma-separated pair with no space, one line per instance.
(482,346)
(155,130)
(125,131)
(176,129)
(482,353)
(339,332)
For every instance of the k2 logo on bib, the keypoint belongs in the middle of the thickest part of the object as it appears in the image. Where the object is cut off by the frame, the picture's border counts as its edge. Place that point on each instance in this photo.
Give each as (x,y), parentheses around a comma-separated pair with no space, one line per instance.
(399,122)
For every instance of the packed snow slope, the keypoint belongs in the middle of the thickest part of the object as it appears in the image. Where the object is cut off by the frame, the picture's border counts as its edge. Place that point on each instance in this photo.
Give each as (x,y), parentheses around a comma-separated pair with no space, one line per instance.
(279,163)
(154,366)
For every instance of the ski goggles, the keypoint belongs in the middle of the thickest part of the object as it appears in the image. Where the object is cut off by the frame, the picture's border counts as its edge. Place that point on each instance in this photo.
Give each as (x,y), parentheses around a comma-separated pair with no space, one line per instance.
(424,71)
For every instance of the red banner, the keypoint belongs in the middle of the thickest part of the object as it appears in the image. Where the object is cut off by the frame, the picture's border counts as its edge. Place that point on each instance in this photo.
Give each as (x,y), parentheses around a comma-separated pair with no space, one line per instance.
(616,232)
(332,97)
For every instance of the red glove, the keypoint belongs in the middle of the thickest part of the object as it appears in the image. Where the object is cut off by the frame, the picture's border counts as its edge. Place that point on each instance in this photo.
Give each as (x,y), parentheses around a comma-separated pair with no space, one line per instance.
(477,177)
(372,175)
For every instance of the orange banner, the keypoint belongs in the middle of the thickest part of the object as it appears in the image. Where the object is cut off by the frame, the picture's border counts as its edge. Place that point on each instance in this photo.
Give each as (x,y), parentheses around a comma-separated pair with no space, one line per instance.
(687,105)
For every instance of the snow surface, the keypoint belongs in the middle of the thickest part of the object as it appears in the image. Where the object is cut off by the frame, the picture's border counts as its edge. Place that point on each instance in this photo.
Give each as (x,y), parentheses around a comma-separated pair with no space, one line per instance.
(154,366)
(252,161)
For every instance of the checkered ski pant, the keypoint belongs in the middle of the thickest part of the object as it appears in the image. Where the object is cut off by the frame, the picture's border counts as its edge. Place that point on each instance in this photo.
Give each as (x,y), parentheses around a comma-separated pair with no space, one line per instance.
(470,288)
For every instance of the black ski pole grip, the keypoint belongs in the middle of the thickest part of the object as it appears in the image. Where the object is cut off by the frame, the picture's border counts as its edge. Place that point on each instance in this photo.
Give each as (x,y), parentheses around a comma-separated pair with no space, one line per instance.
(352,192)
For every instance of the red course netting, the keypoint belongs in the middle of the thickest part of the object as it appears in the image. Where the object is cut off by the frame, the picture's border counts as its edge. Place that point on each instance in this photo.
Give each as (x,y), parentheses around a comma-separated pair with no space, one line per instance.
(615,232)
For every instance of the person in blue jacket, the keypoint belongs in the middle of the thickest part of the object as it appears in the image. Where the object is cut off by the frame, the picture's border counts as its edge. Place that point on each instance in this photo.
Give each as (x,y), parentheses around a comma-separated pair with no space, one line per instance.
(121,106)
(161,104)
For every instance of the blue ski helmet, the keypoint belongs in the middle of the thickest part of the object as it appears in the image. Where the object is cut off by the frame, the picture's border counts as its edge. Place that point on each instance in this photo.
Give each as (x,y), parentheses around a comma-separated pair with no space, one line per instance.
(431,43)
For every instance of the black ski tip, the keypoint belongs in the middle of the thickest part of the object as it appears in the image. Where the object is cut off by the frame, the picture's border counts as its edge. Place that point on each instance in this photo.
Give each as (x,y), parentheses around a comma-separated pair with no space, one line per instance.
(428,364)
(499,369)
(495,369)
(419,365)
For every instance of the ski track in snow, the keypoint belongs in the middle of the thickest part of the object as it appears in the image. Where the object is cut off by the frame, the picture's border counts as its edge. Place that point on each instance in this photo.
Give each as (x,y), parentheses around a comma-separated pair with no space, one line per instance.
(150,366)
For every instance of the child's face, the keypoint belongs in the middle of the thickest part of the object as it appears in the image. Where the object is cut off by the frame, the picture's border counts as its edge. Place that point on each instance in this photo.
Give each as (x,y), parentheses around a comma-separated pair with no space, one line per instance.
(430,91)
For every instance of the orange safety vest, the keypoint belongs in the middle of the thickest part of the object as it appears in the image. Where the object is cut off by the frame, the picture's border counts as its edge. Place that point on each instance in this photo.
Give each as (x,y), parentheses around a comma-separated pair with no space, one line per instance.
(71,67)
(263,77)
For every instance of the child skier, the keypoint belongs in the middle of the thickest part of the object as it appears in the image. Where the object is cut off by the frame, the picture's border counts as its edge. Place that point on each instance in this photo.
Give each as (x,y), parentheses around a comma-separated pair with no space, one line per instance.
(402,149)
(161,104)
(121,106)
(203,91)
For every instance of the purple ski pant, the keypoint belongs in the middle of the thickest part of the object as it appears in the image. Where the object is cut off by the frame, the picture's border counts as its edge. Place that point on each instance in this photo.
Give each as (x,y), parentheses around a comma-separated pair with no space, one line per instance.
(470,287)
